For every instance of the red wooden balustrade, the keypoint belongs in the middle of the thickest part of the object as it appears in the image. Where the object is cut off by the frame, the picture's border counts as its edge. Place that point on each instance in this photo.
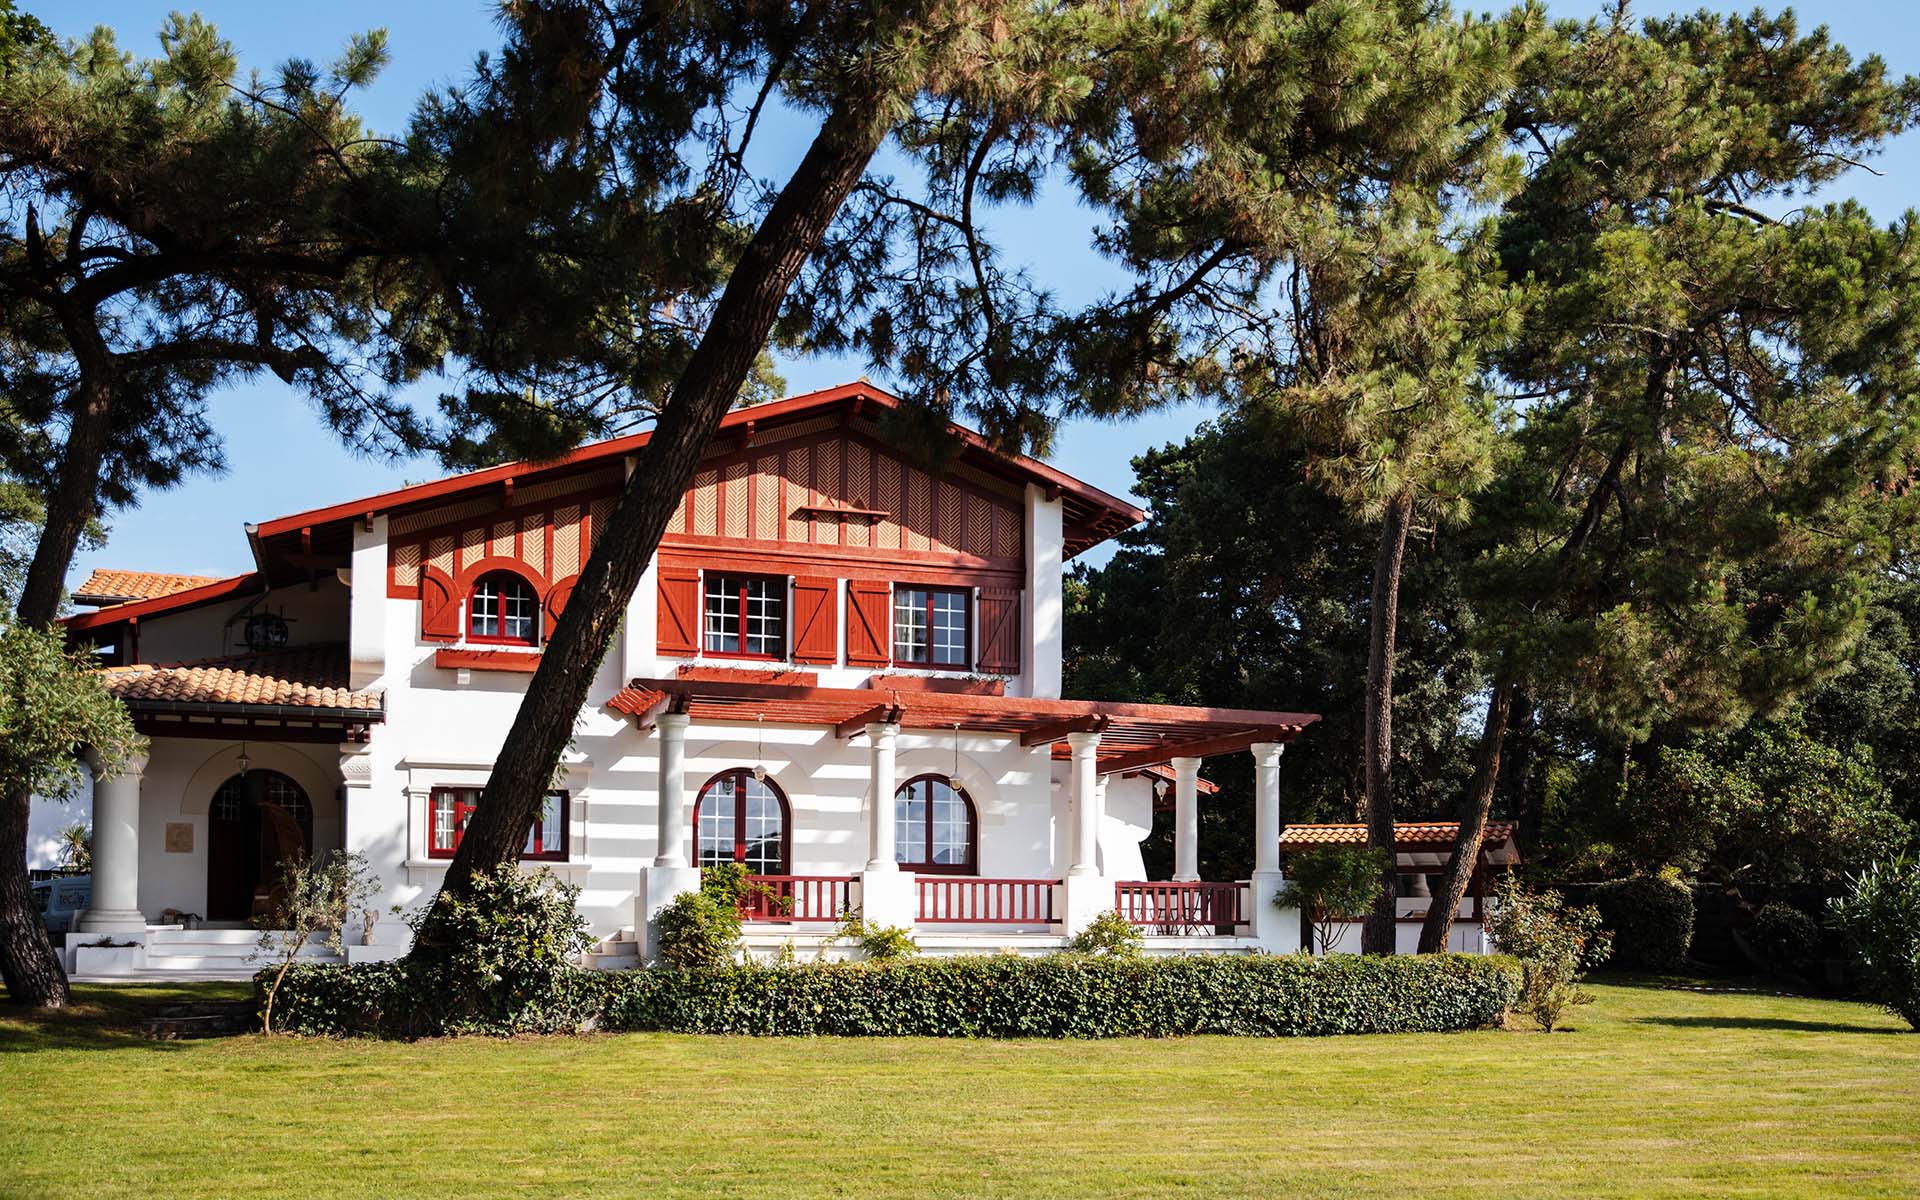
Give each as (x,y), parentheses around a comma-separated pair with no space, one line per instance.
(963,899)
(1162,907)
(796,897)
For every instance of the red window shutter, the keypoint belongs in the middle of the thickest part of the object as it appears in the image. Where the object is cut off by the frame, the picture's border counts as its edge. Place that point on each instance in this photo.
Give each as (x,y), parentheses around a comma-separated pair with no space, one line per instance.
(869,623)
(816,620)
(679,621)
(999,631)
(439,608)
(557,597)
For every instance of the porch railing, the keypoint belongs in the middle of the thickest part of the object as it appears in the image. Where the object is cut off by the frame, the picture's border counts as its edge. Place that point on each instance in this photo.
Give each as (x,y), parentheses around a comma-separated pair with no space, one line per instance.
(1182,908)
(965,900)
(796,897)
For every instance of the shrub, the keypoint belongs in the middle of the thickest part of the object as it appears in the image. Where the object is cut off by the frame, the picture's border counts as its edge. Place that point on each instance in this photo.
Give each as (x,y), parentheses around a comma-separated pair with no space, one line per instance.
(1785,937)
(1651,919)
(701,930)
(1110,935)
(313,898)
(1880,916)
(1072,996)
(880,943)
(1332,884)
(1554,944)
(501,962)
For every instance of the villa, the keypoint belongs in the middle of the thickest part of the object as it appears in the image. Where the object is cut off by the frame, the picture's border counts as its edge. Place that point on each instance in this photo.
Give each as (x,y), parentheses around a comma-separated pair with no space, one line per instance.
(842,669)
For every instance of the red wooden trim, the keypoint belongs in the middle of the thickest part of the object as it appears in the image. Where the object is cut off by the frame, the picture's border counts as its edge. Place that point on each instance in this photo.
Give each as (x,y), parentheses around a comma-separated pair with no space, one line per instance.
(1000,630)
(207,593)
(922,568)
(677,624)
(797,897)
(969,900)
(1048,734)
(836,510)
(555,602)
(816,620)
(1180,907)
(937,683)
(1229,744)
(487,520)
(869,622)
(476,574)
(966,618)
(439,606)
(857,724)
(740,619)
(455,658)
(462,807)
(695,673)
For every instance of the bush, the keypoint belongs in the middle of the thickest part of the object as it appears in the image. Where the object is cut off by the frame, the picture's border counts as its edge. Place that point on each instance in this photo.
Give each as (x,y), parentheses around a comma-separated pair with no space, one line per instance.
(1880,916)
(1072,996)
(1651,918)
(701,930)
(1110,935)
(1554,944)
(1785,937)
(501,962)
(1332,884)
(981,996)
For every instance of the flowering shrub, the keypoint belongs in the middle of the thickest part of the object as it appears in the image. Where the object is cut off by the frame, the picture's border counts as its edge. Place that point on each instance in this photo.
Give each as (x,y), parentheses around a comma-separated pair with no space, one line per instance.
(1555,945)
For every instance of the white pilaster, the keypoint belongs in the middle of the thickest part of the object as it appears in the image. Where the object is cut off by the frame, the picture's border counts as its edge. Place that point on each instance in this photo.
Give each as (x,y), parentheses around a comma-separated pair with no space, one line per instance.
(1045,596)
(367,604)
(671,842)
(116,851)
(1186,819)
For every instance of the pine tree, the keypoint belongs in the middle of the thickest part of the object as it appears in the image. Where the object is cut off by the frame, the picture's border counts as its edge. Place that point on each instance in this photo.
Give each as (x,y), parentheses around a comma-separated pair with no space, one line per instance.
(1716,451)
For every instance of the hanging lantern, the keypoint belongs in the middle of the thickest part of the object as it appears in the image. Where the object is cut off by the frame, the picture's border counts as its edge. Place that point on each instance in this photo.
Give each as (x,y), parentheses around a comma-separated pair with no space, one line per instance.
(953,777)
(759,749)
(243,761)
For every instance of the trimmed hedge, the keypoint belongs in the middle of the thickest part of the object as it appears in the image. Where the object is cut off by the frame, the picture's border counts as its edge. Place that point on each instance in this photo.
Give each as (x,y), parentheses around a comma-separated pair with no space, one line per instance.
(982,996)
(1651,918)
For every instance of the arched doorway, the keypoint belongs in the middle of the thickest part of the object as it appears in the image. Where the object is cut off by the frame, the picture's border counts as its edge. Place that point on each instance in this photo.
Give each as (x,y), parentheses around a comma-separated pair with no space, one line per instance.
(257,821)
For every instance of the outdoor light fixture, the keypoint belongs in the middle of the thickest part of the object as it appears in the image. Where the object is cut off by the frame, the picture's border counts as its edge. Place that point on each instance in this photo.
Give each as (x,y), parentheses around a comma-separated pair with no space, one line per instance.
(759,749)
(243,760)
(953,777)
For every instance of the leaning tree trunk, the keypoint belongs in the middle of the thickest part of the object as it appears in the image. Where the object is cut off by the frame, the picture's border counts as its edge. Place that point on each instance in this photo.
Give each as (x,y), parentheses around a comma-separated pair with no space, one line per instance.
(28,962)
(1381,930)
(1477,806)
(712,377)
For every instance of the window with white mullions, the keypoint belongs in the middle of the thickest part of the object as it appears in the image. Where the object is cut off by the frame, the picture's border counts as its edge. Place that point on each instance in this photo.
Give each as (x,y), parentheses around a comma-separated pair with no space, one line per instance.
(931,626)
(746,615)
(933,827)
(503,608)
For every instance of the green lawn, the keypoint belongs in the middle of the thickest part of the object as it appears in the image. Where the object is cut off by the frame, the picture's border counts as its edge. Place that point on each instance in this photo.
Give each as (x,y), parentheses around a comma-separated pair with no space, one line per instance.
(1657,1092)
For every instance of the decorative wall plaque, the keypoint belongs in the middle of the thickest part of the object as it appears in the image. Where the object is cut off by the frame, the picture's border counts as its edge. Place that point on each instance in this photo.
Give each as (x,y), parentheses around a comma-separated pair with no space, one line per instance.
(179,839)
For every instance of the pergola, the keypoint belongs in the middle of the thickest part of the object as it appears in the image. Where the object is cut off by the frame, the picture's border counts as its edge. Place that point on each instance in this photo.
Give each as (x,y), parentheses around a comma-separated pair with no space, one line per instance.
(1098,737)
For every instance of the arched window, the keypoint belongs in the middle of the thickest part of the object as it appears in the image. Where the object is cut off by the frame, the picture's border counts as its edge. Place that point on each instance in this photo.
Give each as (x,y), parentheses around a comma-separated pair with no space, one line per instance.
(933,827)
(741,819)
(503,609)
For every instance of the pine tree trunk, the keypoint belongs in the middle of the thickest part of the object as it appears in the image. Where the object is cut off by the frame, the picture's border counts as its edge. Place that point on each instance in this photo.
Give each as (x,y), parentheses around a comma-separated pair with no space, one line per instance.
(28,961)
(1474,811)
(713,376)
(1379,933)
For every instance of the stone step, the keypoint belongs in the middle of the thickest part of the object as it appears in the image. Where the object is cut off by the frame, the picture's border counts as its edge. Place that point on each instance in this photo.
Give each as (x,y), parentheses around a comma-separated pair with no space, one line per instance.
(229,963)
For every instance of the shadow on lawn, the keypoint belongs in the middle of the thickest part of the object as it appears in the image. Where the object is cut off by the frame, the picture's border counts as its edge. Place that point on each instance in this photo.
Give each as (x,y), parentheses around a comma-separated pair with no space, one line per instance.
(101,1017)
(1782,1023)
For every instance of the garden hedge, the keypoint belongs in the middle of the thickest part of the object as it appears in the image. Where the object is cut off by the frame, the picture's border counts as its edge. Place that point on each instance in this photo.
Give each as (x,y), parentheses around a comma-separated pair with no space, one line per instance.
(1651,918)
(982,996)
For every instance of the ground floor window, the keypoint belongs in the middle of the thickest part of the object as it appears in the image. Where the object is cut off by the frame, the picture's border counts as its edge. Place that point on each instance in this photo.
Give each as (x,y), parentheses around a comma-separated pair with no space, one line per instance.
(933,827)
(452,807)
(741,819)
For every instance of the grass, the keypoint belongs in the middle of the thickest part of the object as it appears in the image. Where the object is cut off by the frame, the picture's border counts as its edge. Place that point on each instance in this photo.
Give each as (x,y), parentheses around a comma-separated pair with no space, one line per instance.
(1656,1093)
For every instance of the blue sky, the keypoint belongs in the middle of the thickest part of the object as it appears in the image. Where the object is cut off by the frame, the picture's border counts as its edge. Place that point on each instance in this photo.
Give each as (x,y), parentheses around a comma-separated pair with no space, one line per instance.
(282,459)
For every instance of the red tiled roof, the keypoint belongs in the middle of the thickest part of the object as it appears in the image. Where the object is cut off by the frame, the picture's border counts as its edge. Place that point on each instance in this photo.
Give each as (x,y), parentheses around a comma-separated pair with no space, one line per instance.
(304,677)
(1407,835)
(115,587)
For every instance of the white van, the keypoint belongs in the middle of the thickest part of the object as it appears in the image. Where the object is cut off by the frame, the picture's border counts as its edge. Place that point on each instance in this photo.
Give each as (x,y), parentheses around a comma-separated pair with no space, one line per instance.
(61,899)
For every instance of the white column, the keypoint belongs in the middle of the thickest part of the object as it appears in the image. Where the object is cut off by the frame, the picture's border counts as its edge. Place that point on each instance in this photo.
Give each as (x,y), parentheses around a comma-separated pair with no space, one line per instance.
(1277,931)
(671,844)
(1086,804)
(1186,819)
(1266,806)
(367,605)
(116,851)
(881,786)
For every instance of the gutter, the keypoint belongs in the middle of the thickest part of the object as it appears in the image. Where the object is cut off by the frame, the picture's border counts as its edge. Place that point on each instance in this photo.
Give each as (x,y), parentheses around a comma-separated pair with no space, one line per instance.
(354,716)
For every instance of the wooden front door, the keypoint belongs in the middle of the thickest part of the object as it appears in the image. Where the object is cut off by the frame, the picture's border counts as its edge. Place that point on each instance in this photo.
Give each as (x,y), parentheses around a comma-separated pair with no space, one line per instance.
(257,821)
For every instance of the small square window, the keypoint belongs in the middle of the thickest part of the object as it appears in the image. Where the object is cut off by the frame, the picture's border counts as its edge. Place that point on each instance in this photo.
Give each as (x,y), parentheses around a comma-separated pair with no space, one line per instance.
(932,627)
(745,616)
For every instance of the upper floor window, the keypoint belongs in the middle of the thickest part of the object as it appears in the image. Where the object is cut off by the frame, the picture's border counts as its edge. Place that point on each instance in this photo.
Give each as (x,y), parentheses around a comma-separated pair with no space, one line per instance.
(452,807)
(931,626)
(933,827)
(746,616)
(739,818)
(503,609)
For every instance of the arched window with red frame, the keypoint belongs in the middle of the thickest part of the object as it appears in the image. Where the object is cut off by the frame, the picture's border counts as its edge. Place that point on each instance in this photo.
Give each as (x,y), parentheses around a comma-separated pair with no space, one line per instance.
(741,819)
(934,830)
(503,610)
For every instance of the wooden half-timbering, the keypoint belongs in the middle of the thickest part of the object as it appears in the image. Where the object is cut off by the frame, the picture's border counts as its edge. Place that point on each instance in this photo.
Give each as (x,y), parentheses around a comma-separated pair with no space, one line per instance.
(821,493)
(542,533)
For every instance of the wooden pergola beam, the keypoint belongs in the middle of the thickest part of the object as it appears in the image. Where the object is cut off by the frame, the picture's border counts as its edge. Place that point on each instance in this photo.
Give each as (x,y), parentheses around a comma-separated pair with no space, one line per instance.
(857,724)
(1053,731)
(1153,756)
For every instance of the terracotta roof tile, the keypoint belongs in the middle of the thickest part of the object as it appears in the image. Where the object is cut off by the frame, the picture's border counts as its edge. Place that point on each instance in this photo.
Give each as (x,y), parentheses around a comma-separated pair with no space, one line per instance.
(1407,834)
(303,677)
(105,587)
